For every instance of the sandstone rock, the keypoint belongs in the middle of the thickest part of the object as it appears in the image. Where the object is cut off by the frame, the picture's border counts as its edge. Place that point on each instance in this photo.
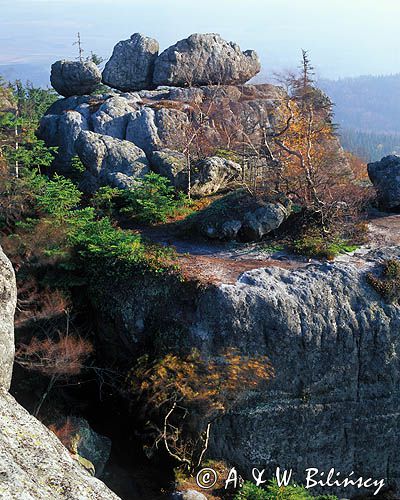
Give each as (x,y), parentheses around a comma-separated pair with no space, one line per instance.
(110,161)
(142,130)
(172,165)
(213,174)
(385,176)
(334,344)
(227,230)
(35,465)
(262,221)
(151,128)
(90,445)
(205,59)
(8,300)
(112,116)
(72,78)
(132,64)
(70,125)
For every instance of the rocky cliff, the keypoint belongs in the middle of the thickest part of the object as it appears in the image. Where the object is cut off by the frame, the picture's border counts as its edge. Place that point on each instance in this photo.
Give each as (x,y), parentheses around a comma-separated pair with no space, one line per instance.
(33,462)
(334,344)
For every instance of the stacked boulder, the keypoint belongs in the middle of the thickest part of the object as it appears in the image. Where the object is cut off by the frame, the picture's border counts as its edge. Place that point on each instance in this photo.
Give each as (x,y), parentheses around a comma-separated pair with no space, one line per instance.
(75,77)
(135,64)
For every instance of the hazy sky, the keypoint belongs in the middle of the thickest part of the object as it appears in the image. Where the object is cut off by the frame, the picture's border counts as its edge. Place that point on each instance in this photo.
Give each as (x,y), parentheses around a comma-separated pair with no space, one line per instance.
(344,37)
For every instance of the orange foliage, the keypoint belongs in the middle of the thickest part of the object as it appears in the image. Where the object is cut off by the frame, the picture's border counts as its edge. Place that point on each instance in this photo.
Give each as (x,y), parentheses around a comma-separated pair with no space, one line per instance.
(62,357)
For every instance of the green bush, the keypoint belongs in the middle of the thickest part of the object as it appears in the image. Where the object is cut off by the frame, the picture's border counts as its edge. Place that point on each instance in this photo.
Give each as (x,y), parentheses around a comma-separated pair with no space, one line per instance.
(59,196)
(388,284)
(250,491)
(154,200)
(314,245)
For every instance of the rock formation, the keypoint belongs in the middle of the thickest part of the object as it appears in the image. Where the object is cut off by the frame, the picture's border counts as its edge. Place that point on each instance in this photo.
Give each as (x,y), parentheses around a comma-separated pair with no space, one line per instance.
(131,65)
(33,462)
(334,344)
(385,176)
(205,59)
(71,78)
(8,299)
(156,121)
(110,161)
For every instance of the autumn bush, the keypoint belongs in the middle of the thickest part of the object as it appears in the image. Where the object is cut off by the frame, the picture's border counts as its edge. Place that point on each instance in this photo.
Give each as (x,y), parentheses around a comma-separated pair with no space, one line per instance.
(181,397)
(387,284)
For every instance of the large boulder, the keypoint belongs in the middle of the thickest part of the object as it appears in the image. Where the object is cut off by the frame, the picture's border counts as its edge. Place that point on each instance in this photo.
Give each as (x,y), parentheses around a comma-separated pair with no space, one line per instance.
(110,161)
(205,59)
(132,64)
(333,342)
(73,78)
(262,221)
(213,174)
(172,165)
(152,129)
(8,299)
(35,465)
(113,115)
(385,176)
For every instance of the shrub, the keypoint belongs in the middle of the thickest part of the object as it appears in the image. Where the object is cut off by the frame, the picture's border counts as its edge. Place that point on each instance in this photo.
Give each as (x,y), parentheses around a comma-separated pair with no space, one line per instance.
(312,244)
(154,200)
(59,196)
(273,491)
(388,284)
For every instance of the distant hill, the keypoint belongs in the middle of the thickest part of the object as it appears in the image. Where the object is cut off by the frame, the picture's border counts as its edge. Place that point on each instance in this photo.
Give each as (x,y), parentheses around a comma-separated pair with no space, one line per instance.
(37,74)
(367,103)
(367,110)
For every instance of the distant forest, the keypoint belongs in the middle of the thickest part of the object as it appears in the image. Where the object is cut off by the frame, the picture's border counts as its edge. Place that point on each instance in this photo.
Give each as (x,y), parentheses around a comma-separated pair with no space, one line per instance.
(367,110)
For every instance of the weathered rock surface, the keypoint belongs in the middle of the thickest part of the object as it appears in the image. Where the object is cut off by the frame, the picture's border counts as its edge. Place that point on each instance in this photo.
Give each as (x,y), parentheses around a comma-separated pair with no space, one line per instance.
(385,176)
(131,65)
(35,465)
(170,119)
(172,165)
(334,344)
(262,221)
(110,161)
(213,174)
(90,445)
(8,300)
(205,59)
(72,78)
(112,116)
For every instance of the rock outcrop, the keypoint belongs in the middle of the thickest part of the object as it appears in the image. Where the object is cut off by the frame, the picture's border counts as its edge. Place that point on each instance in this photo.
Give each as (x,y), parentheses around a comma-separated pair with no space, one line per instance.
(34,465)
(334,344)
(131,65)
(213,174)
(385,176)
(8,299)
(162,120)
(205,59)
(72,78)
(110,161)
(262,221)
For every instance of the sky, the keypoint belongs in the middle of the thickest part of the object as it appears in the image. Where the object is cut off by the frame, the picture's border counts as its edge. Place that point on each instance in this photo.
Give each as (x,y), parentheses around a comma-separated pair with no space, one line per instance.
(344,37)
